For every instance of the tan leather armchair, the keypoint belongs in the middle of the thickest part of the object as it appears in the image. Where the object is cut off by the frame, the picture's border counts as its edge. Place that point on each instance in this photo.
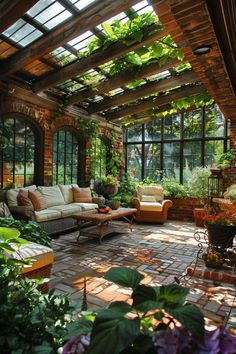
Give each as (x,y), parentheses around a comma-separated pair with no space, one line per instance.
(150,204)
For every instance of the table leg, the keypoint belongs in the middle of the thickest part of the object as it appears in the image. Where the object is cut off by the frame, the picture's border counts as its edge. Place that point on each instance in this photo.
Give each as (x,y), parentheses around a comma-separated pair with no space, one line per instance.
(130,222)
(79,230)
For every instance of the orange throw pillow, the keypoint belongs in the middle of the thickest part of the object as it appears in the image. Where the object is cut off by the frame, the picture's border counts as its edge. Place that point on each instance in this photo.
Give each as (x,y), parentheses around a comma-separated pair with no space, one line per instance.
(82,195)
(37,200)
(23,199)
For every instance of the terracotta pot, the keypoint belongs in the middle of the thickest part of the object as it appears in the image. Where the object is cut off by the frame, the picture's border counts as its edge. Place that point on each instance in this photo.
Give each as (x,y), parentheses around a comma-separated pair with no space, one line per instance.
(199,214)
(113,204)
(221,235)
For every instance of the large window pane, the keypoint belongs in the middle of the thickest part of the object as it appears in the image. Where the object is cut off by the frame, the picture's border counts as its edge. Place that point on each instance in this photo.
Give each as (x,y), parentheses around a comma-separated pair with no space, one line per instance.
(134,133)
(214,124)
(152,130)
(212,149)
(172,127)
(134,160)
(171,160)
(65,158)
(193,124)
(191,158)
(152,161)
(17,158)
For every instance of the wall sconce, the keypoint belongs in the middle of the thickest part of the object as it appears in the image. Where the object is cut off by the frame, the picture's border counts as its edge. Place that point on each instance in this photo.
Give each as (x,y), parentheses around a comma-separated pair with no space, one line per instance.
(203,49)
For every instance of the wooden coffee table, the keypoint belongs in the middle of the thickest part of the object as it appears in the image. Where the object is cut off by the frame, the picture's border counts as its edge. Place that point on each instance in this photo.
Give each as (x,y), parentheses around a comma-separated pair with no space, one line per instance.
(103,225)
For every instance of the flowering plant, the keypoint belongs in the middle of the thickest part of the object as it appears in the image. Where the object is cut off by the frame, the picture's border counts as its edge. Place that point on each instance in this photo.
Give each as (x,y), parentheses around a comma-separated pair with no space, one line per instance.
(220,219)
(214,258)
(156,320)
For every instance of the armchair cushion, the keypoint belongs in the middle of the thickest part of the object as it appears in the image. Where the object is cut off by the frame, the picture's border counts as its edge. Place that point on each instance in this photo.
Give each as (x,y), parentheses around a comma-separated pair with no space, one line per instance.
(150,206)
(155,191)
(148,198)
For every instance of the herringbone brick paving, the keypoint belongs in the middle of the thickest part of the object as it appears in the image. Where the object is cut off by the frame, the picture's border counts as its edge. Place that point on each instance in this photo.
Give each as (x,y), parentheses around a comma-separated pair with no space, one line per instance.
(161,253)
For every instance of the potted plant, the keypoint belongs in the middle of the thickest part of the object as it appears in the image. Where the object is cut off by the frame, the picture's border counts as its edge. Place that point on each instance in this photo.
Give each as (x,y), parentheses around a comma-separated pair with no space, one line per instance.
(214,259)
(221,229)
(226,159)
(106,186)
(156,320)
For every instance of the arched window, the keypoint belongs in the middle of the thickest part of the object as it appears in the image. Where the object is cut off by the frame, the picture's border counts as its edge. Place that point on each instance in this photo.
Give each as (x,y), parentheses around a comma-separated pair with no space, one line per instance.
(66,159)
(98,156)
(22,138)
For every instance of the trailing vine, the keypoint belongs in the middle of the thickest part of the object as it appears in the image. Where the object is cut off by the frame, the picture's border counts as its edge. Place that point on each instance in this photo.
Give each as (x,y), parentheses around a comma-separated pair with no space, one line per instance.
(89,128)
(116,162)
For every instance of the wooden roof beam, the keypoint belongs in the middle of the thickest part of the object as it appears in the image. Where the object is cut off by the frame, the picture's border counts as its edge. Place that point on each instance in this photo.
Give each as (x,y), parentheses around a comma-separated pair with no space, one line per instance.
(99,57)
(12,10)
(149,103)
(145,90)
(95,14)
(123,79)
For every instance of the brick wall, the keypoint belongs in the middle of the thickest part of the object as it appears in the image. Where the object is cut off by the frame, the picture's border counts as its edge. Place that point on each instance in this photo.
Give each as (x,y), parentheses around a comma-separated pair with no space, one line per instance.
(43,117)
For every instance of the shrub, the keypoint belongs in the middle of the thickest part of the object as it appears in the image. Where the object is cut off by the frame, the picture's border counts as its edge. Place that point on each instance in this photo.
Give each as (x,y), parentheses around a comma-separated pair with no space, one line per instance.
(174,189)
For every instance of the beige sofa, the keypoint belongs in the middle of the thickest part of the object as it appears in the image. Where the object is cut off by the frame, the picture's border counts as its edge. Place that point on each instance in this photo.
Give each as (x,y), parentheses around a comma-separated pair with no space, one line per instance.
(60,206)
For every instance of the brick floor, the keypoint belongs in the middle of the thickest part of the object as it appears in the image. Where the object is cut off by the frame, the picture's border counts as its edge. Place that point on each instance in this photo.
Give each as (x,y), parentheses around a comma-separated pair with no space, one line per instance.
(161,253)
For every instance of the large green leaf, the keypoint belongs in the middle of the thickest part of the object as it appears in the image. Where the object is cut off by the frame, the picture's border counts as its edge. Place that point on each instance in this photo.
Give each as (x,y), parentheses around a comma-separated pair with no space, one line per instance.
(143,293)
(82,326)
(120,307)
(171,294)
(112,332)
(7,233)
(191,318)
(126,277)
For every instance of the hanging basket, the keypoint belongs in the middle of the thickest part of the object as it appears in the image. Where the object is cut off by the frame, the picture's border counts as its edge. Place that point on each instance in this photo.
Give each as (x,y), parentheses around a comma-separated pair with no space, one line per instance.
(221,235)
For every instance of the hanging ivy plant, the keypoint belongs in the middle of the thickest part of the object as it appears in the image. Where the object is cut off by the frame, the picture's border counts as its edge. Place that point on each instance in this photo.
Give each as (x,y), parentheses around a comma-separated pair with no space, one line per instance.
(116,162)
(88,127)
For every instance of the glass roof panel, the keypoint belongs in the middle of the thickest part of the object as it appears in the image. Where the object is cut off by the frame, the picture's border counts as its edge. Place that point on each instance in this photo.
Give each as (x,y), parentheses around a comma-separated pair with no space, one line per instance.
(142,7)
(62,56)
(30,38)
(80,41)
(22,33)
(52,15)
(81,4)
(58,19)
(39,7)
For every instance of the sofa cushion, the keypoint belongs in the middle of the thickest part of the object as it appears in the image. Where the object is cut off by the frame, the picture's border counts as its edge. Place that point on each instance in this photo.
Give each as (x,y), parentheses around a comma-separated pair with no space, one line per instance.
(82,195)
(145,206)
(13,193)
(41,255)
(4,210)
(46,215)
(156,191)
(66,191)
(23,198)
(87,206)
(37,200)
(52,195)
(67,210)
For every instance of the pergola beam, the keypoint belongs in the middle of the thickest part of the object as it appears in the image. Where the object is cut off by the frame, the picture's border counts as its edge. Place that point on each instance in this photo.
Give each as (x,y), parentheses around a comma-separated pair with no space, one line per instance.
(123,79)
(149,103)
(114,51)
(98,12)
(145,90)
(12,10)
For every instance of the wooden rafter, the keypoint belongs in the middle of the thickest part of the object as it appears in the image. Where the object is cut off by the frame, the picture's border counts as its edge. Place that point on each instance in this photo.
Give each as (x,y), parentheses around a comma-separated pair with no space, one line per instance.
(149,103)
(100,57)
(93,16)
(123,79)
(143,91)
(12,10)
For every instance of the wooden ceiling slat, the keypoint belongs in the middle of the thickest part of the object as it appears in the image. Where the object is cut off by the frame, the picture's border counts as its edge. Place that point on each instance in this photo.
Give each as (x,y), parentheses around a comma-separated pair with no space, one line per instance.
(100,57)
(93,16)
(145,90)
(12,10)
(149,103)
(123,79)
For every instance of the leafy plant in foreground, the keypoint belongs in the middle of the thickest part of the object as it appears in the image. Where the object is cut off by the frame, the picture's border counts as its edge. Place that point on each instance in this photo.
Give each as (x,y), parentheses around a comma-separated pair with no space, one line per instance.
(156,321)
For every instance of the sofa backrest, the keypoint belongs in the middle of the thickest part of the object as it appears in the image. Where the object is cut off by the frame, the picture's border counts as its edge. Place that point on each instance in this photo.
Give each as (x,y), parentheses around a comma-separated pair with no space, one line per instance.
(13,193)
(52,195)
(150,193)
(66,191)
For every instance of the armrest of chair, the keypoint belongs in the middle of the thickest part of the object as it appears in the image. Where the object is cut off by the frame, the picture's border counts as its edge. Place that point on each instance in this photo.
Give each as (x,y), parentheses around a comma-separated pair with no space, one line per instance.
(167,203)
(135,203)
(22,212)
